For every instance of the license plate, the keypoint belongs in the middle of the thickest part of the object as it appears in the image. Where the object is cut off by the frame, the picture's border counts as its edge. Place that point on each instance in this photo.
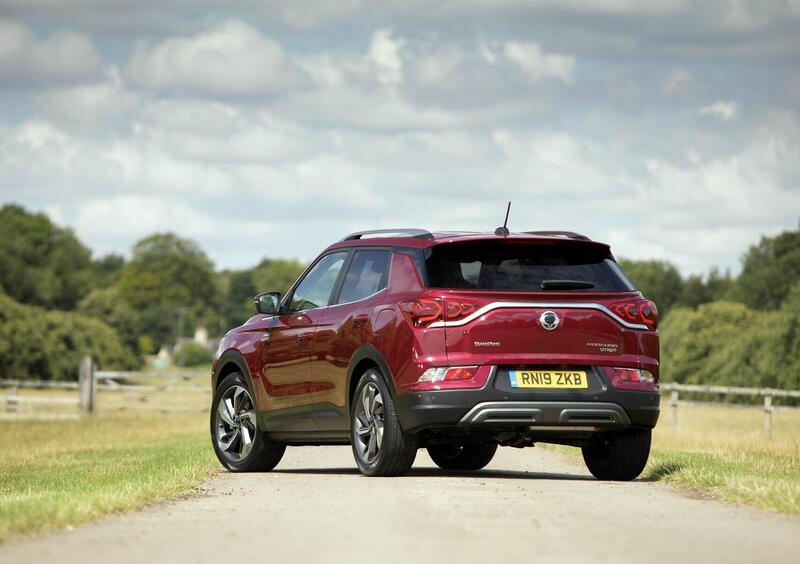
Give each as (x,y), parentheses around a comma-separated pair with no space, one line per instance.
(548,379)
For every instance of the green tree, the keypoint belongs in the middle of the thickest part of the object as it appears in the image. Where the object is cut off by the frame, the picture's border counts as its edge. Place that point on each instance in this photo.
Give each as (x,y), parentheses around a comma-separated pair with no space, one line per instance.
(780,355)
(658,280)
(276,275)
(238,292)
(107,270)
(718,343)
(769,270)
(41,263)
(698,290)
(271,275)
(106,305)
(169,280)
(40,344)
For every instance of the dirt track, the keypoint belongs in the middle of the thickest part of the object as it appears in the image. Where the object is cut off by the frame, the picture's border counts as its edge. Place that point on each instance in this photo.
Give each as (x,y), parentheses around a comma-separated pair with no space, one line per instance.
(528,505)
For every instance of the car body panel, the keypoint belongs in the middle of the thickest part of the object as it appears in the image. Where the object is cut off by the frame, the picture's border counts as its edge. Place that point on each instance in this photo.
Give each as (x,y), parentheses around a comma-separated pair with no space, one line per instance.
(302,366)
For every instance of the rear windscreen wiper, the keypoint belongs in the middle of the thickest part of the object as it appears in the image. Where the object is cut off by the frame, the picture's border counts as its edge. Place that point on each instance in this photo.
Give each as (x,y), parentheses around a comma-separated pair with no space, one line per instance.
(565,285)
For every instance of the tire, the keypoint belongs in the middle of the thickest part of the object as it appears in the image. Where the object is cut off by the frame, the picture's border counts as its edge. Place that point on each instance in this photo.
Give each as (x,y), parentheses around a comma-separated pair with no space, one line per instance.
(621,458)
(233,423)
(380,447)
(462,457)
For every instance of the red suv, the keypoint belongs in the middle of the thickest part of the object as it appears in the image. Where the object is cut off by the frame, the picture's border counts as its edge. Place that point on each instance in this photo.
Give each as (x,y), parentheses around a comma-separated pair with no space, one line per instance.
(454,342)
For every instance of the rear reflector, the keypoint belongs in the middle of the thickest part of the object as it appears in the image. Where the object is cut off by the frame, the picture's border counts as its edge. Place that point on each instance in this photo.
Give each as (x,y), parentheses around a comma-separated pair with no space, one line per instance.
(634,379)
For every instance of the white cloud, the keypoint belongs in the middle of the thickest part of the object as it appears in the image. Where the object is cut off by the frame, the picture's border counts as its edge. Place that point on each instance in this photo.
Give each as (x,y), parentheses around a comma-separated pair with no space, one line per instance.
(215,171)
(384,54)
(92,106)
(229,124)
(233,58)
(537,64)
(723,110)
(62,56)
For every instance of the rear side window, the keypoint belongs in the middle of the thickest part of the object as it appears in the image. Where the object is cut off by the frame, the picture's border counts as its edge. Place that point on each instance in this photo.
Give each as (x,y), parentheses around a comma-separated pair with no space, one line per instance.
(367,275)
(500,265)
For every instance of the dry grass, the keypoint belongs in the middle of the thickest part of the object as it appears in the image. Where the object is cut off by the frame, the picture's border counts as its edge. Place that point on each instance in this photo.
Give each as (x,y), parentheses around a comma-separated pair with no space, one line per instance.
(722,452)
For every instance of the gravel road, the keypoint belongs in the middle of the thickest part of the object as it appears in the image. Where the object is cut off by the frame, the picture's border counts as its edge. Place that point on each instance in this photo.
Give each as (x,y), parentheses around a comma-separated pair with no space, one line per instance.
(528,505)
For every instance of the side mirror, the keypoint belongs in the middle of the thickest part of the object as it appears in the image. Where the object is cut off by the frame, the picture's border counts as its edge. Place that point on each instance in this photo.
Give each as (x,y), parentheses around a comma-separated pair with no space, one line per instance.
(268,303)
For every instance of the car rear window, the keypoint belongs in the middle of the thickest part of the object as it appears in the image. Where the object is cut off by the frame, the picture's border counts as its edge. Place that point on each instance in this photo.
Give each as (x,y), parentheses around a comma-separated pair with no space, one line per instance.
(501,265)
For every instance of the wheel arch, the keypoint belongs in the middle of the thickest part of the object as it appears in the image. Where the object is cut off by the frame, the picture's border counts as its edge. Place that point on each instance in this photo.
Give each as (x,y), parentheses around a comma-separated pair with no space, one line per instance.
(362,360)
(231,361)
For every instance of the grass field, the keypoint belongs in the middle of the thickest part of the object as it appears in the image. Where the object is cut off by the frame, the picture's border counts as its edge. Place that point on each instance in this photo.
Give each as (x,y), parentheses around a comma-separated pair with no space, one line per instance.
(721,452)
(59,473)
(54,474)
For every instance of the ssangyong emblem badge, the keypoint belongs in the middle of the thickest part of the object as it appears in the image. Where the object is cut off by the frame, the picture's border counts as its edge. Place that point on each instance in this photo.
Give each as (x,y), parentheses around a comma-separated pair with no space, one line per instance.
(549,320)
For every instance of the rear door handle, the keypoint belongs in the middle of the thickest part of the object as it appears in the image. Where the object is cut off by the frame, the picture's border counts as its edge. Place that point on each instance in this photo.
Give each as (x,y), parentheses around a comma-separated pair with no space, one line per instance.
(360,319)
(305,338)
(265,338)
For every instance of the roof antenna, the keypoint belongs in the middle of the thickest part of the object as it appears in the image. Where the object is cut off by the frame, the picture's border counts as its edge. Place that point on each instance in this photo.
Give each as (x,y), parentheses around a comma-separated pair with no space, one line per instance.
(504,230)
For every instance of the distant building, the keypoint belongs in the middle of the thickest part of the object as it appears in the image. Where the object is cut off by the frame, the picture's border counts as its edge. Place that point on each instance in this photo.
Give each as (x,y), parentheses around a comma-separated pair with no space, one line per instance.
(201,335)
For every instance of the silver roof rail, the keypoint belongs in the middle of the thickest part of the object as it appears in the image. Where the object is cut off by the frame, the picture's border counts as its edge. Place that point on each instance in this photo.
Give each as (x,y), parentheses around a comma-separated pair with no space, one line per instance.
(567,234)
(416,233)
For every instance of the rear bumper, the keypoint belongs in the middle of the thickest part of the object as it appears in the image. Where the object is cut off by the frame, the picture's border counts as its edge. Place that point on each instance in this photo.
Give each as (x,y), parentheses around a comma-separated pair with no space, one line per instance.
(489,407)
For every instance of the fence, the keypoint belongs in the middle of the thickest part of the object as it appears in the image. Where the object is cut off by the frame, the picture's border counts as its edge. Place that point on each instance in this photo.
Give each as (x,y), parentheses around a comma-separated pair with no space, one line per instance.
(767,393)
(177,388)
(91,381)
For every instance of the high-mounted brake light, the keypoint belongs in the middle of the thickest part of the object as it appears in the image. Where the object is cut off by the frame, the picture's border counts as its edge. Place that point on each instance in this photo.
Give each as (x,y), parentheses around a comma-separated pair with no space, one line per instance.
(643,312)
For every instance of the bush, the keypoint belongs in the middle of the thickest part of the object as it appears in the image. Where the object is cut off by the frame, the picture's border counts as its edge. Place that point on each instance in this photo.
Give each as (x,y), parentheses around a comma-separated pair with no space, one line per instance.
(192,354)
(729,344)
(48,345)
(146,345)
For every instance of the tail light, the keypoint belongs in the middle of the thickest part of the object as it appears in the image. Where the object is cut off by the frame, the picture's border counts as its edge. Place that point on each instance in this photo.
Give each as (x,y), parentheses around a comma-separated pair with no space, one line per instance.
(424,311)
(458,309)
(634,379)
(643,312)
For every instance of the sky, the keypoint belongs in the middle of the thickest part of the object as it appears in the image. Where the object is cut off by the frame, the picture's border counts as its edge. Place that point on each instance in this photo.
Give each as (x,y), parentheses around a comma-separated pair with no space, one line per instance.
(669,129)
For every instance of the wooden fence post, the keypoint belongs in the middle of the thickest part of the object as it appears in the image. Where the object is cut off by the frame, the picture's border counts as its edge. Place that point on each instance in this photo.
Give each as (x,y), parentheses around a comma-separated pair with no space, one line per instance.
(87,386)
(673,403)
(11,401)
(767,417)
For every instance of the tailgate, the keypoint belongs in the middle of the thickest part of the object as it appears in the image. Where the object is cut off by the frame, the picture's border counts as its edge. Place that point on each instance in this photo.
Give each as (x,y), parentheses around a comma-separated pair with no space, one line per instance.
(539,331)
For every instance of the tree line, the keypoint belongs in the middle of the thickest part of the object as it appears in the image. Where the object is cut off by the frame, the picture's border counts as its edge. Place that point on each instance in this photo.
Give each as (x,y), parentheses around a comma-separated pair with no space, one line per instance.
(57,302)
(735,331)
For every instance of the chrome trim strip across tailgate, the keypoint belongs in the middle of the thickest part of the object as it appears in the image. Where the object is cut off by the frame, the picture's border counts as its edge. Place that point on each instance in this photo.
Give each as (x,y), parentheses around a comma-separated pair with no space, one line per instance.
(539,305)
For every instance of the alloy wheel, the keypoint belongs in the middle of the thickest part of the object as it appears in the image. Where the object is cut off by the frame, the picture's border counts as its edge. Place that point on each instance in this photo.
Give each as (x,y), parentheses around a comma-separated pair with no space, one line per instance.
(236,423)
(369,423)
